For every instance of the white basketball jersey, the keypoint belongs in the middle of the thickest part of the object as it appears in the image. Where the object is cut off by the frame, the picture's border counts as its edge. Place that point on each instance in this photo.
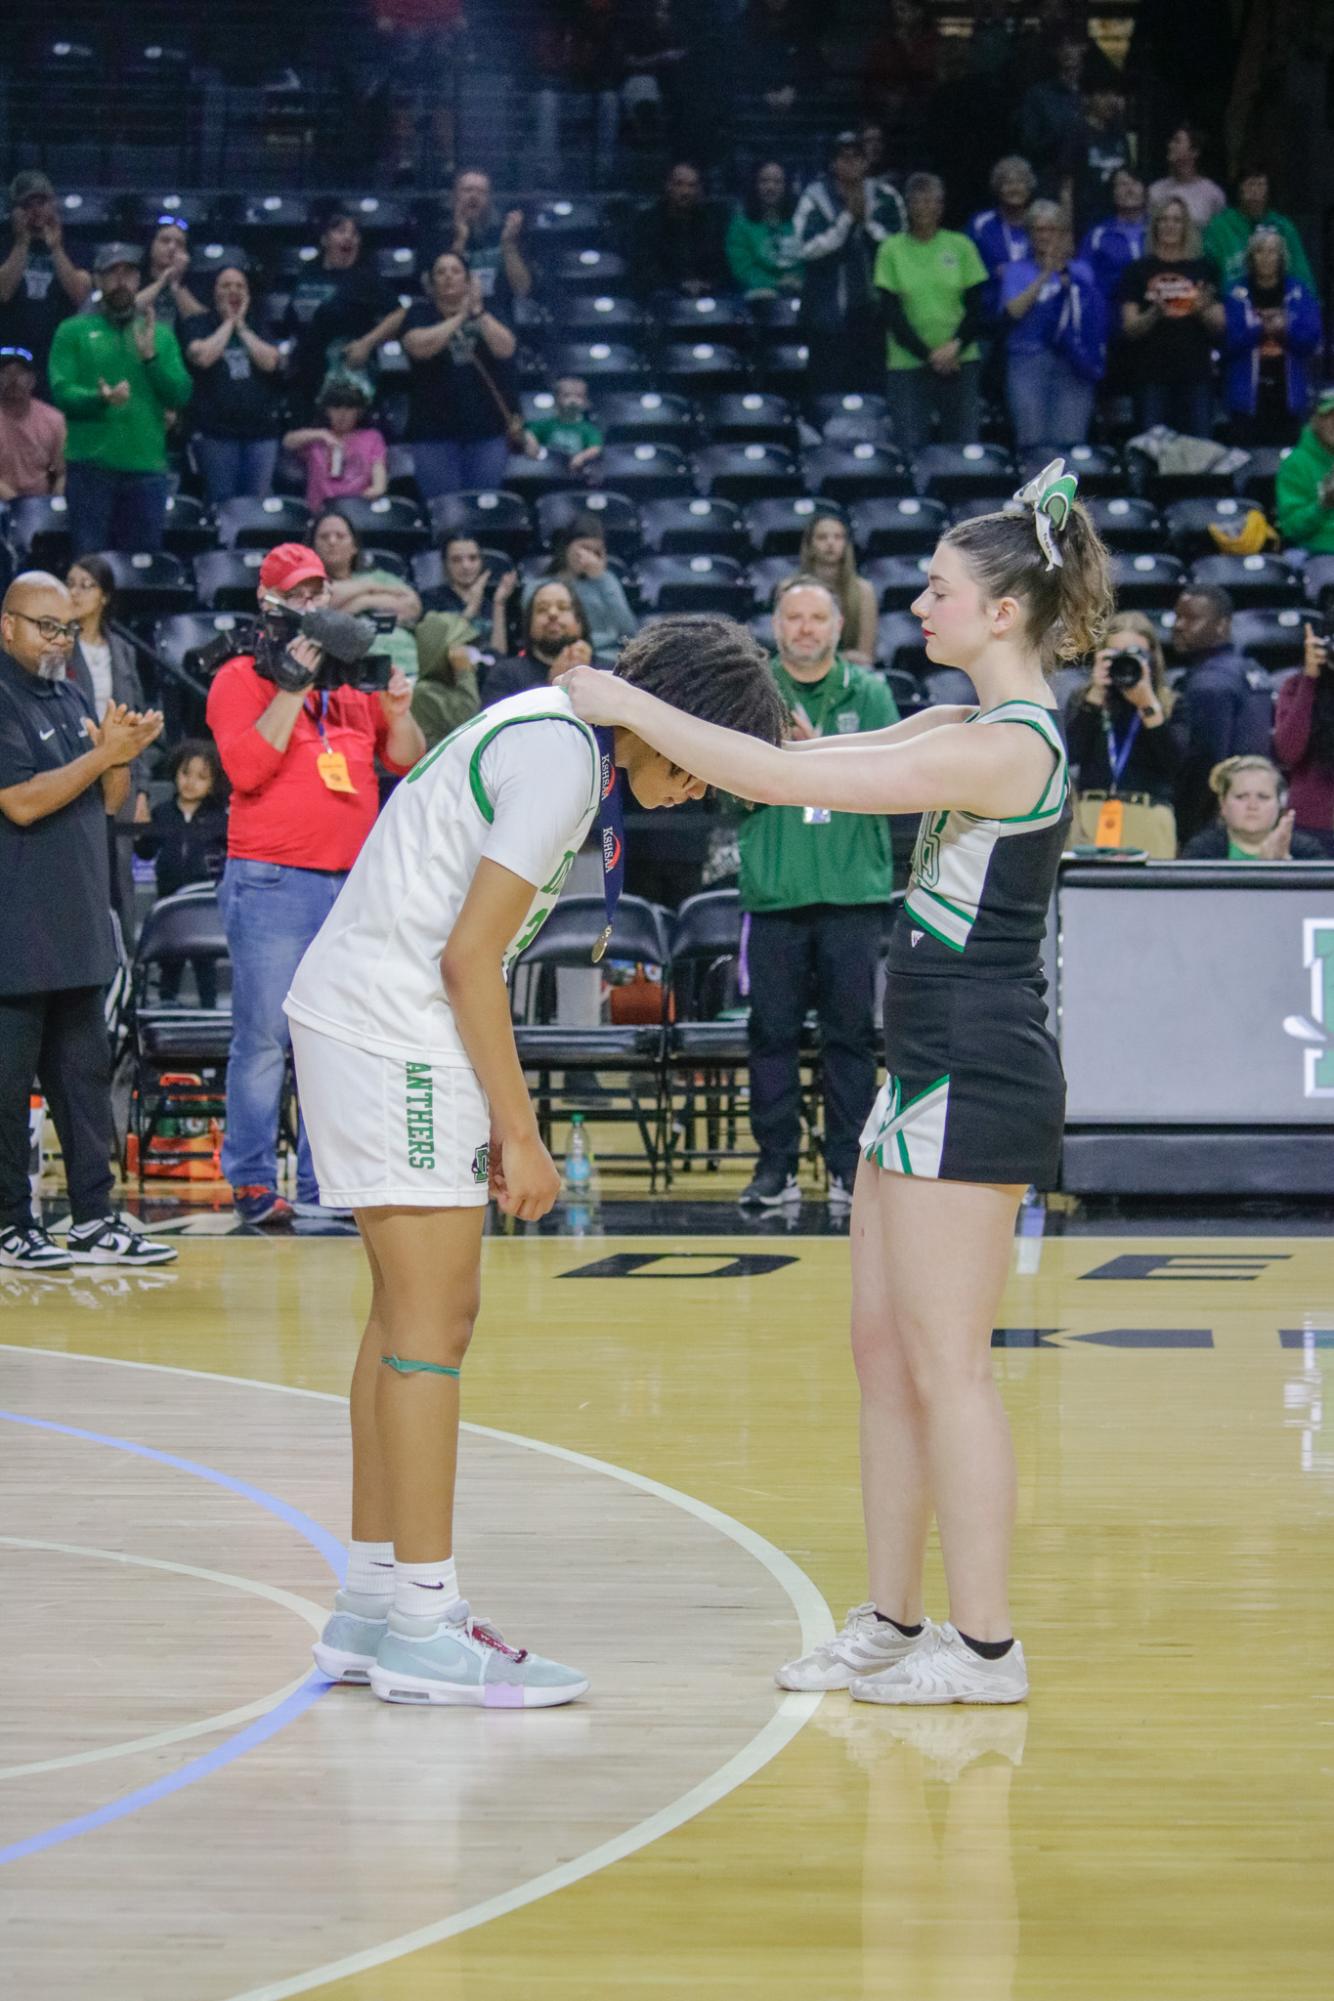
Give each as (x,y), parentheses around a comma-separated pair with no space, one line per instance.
(372,975)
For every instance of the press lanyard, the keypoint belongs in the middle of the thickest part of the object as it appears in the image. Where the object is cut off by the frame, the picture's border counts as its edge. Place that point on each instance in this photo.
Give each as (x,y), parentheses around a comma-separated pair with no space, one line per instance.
(1118,756)
(611,832)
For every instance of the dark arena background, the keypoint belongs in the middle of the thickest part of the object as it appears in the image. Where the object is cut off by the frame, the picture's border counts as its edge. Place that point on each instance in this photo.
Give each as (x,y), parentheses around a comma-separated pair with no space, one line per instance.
(510,327)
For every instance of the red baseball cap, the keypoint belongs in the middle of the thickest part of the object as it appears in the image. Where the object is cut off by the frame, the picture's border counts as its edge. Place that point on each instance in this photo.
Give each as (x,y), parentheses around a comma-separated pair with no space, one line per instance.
(290,564)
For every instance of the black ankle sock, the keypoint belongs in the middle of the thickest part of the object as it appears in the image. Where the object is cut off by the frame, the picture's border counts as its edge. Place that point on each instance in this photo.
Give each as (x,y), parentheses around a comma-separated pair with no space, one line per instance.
(990,1650)
(908,1632)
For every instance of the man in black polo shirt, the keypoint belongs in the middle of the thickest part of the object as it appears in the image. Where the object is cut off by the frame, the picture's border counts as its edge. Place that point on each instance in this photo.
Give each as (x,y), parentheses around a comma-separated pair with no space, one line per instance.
(61,774)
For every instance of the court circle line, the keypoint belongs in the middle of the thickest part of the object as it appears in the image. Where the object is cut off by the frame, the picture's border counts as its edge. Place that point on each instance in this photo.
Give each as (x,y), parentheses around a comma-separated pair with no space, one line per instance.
(306,1608)
(791,1713)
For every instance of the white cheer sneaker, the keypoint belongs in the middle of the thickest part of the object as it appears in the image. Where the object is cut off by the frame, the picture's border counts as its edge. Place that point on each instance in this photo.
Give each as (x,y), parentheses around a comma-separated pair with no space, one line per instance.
(867,1645)
(944,1668)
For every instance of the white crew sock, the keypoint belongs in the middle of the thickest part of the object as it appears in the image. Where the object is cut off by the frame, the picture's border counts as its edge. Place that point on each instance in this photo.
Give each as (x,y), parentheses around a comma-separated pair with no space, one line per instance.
(369,1585)
(425,1591)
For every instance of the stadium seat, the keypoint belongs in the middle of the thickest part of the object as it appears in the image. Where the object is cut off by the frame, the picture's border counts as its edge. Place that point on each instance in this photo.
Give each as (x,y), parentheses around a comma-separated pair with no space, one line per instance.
(615,512)
(776,527)
(533,479)
(752,418)
(908,692)
(39,532)
(179,638)
(285,214)
(707,1045)
(262,524)
(899,644)
(228,579)
(1147,582)
(855,406)
(648,418)
(896,580)
(598,316)
(702,368)
(559,224)
(694,526)
(1256,482)
(694,583)
(747,472)
(1273,638)
(500,519)
(194,211)
(1318,577)
(1250,581)
(1162,488)
(90,211)
(604,364)
(1127,523)
(209,257)
(189,525)
(849,473)
(906,527)
(1100,471)
(590,269)
(391,522)
(846,428)
(1188,523)
(948,684)
(782,366)
(975,506)
(380,215)
(766,573)
(728,320)
(776,318)
(149,586)
(964,472)
(646,472)
(294,260)
(398,264)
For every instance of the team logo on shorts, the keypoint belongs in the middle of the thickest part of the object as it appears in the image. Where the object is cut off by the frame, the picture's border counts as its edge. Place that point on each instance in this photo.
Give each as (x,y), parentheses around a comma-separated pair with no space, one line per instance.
(481,1166)
(419,1102)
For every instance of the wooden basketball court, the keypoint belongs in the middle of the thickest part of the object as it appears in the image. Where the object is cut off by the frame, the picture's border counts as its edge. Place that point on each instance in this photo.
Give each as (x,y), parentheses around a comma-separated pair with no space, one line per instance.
(660,1485)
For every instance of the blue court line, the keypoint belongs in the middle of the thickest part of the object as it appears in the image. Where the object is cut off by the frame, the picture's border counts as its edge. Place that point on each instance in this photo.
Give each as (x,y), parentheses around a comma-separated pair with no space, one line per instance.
(254,1733)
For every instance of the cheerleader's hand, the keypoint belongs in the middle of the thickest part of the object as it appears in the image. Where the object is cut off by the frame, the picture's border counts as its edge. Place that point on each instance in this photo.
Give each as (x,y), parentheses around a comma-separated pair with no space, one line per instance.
(596,696)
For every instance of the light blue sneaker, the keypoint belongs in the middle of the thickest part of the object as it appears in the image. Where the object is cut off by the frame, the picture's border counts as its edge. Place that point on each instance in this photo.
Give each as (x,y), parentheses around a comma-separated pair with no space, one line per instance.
(466,1663)
(346,1649)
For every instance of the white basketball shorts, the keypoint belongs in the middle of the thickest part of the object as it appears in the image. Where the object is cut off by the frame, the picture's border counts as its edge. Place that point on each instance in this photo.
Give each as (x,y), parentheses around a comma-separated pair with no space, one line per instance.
(388,1132)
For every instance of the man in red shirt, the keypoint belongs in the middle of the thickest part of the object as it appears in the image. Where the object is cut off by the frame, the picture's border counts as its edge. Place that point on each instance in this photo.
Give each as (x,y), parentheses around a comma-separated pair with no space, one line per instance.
(304,798)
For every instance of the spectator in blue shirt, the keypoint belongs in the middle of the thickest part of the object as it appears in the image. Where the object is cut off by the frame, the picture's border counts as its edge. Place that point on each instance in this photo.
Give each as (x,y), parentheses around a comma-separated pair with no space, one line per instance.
(1057,347)
(1001,233)
(1110,246)
(1273,329)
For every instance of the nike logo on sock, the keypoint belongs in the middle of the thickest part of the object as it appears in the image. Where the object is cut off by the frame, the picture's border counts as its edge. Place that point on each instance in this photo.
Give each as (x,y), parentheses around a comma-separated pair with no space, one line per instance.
(46,735)
(377,1565)
(427,1587)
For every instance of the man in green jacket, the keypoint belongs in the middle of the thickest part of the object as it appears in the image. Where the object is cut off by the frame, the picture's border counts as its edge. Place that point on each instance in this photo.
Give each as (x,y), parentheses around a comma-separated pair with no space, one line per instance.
(116,374)
(816,887)
(1226,238)
(1304,486)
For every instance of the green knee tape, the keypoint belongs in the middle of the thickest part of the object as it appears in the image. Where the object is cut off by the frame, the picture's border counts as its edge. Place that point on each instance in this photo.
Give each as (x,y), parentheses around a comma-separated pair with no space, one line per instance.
(417,1368)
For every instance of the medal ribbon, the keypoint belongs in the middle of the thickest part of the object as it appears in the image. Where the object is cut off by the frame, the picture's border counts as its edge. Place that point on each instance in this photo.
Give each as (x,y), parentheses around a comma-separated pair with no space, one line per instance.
(611,834)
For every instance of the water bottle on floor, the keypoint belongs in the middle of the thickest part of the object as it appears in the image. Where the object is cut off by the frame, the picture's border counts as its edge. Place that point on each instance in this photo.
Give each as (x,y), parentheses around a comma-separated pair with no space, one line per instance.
(578,1158)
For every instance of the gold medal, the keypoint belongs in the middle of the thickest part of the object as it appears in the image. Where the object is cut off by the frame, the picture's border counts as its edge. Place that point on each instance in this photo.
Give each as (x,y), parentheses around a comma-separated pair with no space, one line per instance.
(600,949)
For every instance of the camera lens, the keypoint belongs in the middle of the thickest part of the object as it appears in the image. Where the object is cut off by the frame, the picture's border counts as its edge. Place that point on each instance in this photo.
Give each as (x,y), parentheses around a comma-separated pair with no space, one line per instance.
(1124,669)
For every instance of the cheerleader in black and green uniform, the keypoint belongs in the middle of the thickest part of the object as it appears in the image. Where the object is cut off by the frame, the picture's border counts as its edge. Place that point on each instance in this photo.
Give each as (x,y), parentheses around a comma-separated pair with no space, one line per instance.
(973,1108)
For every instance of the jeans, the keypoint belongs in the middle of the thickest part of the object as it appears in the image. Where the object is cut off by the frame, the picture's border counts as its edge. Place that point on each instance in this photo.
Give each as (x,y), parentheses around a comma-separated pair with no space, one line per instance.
(271,914)
(916,395)
(114,510)
(837,950)
(236,468)
(444,465)
(58,1041)
(1185,406)
(1049,404)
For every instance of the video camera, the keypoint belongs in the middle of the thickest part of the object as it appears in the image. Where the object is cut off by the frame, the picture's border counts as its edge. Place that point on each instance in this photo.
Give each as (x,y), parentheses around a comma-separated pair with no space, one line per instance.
(345,642)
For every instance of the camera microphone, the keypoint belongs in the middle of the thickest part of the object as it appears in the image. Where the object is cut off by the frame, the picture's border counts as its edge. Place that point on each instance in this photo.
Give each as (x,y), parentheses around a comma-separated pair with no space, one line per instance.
(340,635)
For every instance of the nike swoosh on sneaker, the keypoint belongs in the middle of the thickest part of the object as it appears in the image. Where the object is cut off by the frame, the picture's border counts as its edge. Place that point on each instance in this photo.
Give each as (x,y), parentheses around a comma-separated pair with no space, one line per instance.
(917,937)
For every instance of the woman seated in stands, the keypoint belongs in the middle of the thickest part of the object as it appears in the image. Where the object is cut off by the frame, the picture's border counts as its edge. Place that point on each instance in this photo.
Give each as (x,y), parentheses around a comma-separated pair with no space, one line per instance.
(358,585)
(579,559)
(1119,740)
(827,553)
(1255,822)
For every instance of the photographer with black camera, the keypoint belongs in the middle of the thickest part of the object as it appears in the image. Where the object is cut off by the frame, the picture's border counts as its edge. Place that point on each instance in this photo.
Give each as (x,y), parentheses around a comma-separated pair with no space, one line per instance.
(1304,731)
(1120,740)
(299,720)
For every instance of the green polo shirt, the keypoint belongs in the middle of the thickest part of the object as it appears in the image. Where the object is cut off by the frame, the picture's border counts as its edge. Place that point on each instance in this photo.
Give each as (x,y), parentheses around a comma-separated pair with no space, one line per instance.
(931,279)
(788,862)
(121,437)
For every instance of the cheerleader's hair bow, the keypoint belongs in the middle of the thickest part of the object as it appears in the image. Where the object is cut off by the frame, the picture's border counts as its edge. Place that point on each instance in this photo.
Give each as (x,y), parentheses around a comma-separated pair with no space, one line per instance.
(1048,497)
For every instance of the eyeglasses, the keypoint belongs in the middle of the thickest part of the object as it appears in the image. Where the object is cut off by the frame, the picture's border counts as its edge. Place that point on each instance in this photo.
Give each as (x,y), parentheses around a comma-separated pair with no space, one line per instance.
(51,628)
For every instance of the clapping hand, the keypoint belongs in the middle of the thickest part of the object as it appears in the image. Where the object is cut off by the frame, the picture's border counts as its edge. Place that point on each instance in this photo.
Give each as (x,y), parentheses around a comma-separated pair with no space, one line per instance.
(115,393)
(512,226)
(577,654)
(505,589)
(145,339)
(1315,653)
(124,734)
(1277,847)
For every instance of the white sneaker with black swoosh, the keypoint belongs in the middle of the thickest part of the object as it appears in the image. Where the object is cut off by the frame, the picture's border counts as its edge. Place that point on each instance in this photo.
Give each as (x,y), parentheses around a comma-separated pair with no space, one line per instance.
(30,1249)
(116,1240)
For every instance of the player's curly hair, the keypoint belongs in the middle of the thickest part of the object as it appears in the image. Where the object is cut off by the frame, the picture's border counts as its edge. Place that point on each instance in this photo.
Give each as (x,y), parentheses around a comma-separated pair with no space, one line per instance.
(710,668)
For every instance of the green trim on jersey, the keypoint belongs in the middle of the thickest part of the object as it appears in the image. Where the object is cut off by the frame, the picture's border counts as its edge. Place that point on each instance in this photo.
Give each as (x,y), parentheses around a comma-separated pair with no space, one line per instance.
(482,798)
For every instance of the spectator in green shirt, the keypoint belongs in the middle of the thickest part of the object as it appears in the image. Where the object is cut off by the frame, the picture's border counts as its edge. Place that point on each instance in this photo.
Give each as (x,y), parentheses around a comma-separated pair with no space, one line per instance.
(933,288)
(761,242)
(117,375)
(815,886)
(569,433)
(1304,483)
(1228,235)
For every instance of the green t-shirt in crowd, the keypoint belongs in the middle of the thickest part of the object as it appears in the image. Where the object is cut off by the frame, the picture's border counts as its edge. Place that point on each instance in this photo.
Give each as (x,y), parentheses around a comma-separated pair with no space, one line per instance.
(931,279)
(565,436)
(791,857)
